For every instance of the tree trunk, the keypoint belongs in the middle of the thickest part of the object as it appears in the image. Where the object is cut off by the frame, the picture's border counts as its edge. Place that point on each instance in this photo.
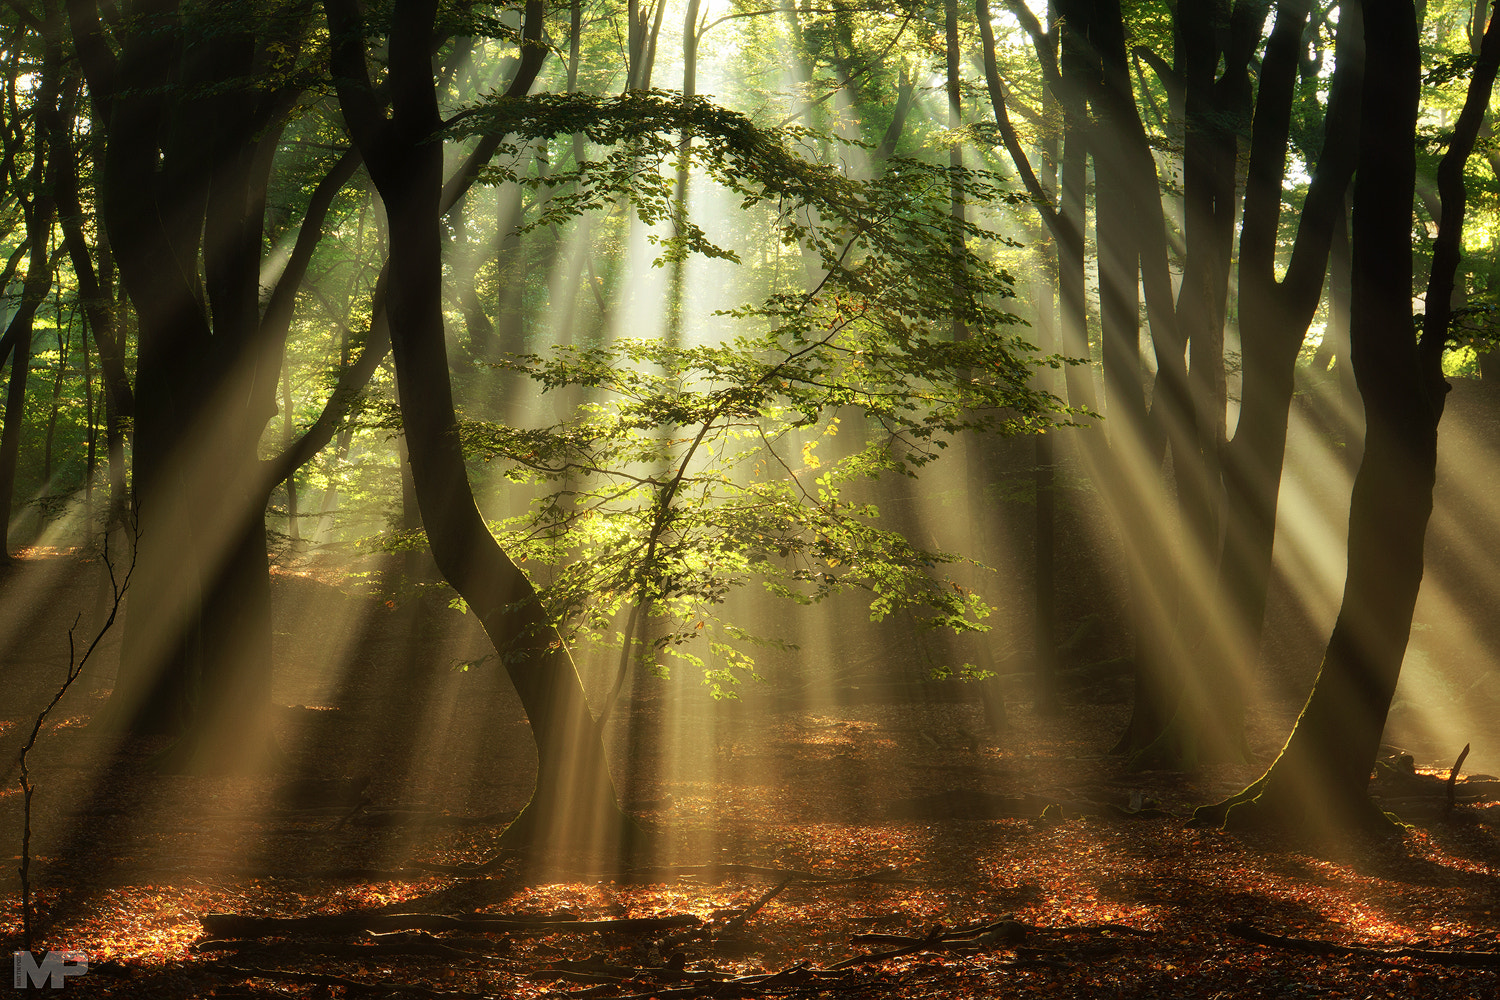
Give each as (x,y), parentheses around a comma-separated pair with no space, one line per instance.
(186,165)
(1131,471)
(1046,694)
(1319,782)
(1274,315)
(39,212)
(574,802)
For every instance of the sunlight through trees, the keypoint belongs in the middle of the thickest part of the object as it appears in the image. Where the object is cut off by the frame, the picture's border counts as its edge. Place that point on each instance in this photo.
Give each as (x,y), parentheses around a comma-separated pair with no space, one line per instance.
(557,395)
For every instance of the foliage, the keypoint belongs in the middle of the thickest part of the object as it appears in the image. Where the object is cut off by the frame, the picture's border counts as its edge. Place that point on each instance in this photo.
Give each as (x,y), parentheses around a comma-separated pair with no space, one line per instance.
(697,467)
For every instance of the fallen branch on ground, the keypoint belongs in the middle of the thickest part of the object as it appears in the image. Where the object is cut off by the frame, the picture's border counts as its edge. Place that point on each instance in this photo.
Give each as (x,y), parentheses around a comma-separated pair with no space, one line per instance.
(1453,778)
(738,920)
(1480,959)
(234,925)
(1003,932)
(418,944)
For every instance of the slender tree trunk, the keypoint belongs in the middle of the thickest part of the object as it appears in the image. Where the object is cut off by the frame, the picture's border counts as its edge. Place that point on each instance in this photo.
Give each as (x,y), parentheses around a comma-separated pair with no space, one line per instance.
(292,527)
(64,344)
(19,332)
(39,212)
(1047,696)
(1044,542)
(575,800)
(1274,315)
(93,269)
(91,443)
(1072,292)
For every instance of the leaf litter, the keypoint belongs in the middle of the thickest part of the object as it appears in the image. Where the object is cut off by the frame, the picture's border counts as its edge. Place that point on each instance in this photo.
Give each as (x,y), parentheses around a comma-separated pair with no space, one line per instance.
(784,871)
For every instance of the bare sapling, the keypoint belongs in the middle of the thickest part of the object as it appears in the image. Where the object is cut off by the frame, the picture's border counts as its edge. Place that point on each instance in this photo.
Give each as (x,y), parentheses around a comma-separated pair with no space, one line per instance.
(76,664)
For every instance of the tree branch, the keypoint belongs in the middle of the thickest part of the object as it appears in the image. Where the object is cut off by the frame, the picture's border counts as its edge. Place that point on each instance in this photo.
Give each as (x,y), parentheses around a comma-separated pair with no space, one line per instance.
(351,75)
(1446,251)
(1007,130)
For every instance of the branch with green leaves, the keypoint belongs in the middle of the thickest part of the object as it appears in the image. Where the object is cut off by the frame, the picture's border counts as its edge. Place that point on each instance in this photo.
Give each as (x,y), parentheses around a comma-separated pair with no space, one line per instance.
(694,468)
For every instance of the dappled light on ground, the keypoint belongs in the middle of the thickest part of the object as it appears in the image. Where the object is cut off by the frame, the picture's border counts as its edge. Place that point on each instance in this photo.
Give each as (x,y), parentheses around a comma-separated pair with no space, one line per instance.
(865,847)
(1099,903)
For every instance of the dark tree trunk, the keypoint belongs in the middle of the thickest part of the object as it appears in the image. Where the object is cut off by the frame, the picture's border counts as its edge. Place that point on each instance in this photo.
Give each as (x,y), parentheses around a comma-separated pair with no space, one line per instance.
(1189,405)
(1338,398)
(1189,650)
(1044,542)
(186,164)
(1125,184)
(1072,293)
(1319,782)
(575,800)
(1274,315)
(1046,693)
(1065,56)
(39,210)
(19,333)
(96,296)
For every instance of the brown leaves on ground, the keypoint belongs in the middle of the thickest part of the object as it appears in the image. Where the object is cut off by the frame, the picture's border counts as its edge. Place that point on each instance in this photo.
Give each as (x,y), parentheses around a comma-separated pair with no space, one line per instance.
(746,800)
(1062,886)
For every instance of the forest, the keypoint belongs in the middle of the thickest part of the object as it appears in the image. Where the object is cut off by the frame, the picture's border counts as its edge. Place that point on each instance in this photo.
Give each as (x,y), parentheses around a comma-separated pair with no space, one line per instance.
(717,498)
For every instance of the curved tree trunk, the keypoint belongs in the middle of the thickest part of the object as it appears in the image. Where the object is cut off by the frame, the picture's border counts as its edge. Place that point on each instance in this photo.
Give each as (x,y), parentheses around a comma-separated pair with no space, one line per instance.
(575,802)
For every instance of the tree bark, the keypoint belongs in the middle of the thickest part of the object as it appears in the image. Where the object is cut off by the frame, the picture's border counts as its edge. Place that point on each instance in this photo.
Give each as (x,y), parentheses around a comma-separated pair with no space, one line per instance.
(186,166)
(1274,315)
(575,801)
(1319,782)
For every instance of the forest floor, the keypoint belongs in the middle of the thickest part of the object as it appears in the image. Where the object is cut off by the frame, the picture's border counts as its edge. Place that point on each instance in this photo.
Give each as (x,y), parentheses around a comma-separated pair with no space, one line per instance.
(846,838)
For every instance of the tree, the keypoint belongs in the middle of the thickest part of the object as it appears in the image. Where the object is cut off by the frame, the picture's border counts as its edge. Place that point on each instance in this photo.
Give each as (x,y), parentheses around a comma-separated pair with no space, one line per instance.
(1319,780)
(1197,601)
(575,800)
(194,107)
(36,192)
(189,150)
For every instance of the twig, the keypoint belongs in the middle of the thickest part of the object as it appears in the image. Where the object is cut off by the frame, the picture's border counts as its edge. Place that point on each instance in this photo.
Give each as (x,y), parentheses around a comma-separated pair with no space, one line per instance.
(1453,778)
(739,919)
